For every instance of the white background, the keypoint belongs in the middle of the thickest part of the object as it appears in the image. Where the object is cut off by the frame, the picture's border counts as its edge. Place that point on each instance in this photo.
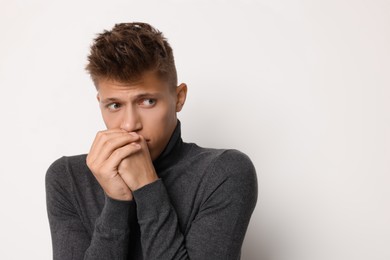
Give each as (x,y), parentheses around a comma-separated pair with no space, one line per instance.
(302,87)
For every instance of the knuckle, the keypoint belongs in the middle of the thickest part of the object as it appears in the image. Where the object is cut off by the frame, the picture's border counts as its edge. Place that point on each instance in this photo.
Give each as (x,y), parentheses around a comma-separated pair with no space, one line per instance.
(99,134)
(104,138)
(111,143)
(89,161)
(92,166)
(117,153)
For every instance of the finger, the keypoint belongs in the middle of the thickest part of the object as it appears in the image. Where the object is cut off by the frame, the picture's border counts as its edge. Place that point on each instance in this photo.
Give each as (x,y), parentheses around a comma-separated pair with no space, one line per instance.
(142,141)
(114,143)
(121,153)
(104,138)
(99,137)
(144,145)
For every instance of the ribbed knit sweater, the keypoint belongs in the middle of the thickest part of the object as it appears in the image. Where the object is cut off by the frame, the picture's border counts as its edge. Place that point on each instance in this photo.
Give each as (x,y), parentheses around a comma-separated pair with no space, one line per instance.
(199,208)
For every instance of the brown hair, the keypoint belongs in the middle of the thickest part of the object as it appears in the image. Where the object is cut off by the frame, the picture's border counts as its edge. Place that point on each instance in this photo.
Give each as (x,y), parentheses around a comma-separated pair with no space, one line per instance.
(129,50)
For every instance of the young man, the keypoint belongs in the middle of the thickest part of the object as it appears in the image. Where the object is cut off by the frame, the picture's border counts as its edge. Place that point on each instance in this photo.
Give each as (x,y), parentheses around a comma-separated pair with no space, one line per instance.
(141,192)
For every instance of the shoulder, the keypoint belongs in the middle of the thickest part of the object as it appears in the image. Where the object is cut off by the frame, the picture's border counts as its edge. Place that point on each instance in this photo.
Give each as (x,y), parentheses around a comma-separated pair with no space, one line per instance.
(65,166)
(64,185)
(234,164)
(66,163)
(208,156)
(221,160)
(219,165)
(230,177)
(234,158)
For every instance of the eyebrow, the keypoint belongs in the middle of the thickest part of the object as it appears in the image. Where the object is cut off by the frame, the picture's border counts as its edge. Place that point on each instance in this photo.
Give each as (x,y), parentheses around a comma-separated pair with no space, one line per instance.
(136,97)
(109,100)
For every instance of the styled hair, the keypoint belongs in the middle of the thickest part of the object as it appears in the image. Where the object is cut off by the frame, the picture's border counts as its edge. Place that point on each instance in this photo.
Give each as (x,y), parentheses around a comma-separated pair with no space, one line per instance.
(129,50)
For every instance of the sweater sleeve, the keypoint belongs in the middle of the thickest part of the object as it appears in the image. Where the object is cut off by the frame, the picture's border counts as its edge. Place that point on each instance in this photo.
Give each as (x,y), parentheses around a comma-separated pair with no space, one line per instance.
(110,239)
(70,239)
(218,230)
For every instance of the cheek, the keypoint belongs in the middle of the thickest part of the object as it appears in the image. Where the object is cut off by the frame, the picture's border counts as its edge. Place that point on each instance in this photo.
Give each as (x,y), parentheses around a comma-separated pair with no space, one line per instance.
(154,121)
(111,120)
(160,122)
(167,116)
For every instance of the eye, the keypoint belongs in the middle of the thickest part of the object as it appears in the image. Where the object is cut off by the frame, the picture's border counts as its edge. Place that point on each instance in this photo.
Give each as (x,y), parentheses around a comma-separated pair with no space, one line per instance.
(113,106)
(148,102)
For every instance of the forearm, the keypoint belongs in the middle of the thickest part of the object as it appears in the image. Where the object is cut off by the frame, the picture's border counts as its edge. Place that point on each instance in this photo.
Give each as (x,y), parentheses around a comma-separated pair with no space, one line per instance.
(110,239)
(161,237)
(219,226)
(217,232)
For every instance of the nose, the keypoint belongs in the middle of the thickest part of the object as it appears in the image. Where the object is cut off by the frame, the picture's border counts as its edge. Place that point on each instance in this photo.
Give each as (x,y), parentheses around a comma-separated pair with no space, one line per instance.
(131,121)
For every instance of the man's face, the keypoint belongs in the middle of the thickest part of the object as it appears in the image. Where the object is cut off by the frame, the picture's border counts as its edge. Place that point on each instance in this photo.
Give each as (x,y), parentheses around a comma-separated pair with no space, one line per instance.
(147,107)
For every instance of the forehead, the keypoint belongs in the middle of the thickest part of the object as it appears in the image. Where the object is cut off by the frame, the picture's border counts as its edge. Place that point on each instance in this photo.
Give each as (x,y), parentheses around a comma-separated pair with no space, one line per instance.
(149,82)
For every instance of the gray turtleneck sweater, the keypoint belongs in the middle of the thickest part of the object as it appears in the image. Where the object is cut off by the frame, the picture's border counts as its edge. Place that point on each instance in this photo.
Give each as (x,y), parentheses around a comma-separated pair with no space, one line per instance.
(199,208)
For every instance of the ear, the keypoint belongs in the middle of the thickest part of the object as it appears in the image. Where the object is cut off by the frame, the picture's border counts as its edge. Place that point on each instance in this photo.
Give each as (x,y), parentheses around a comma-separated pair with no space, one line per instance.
(181,95)
(98,98)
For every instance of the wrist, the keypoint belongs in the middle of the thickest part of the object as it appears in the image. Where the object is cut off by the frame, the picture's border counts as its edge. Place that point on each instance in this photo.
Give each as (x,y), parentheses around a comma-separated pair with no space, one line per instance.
(122,196)
(141,182)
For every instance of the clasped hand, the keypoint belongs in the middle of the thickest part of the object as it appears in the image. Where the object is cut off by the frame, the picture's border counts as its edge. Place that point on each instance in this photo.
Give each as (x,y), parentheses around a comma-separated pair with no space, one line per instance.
(121,163)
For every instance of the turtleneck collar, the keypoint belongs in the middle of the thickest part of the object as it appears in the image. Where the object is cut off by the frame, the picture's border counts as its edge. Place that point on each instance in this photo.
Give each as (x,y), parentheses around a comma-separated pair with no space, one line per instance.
(170,152)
